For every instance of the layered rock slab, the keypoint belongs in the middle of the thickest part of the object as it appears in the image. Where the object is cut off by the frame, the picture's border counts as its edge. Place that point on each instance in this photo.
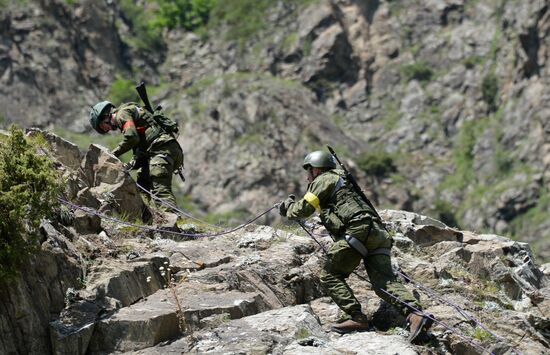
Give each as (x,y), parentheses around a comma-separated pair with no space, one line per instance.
(289,330)
(155,319)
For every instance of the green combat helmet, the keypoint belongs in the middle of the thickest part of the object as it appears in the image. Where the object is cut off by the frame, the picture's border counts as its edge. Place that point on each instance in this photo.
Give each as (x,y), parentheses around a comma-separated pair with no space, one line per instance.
(319,159)
(97,111)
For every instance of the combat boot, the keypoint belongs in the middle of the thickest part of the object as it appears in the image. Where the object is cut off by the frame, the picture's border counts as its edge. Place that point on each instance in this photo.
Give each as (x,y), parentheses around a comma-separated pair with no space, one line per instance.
(357,323)
(418,324)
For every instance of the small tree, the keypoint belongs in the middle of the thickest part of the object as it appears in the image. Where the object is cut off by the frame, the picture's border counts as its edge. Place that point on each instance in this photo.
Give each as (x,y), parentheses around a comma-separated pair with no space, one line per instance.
(379,164)
(28,192)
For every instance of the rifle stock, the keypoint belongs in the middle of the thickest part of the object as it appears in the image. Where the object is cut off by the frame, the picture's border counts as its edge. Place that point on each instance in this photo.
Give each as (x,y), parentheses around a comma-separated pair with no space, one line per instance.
(353,182)
(142,92)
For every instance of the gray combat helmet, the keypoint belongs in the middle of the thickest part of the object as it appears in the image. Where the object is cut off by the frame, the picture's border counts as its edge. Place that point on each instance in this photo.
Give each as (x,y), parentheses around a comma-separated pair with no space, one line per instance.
(97,112)
(319,159)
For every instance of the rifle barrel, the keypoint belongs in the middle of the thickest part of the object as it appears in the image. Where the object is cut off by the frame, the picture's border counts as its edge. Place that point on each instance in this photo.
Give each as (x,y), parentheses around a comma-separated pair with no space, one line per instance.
(353,182)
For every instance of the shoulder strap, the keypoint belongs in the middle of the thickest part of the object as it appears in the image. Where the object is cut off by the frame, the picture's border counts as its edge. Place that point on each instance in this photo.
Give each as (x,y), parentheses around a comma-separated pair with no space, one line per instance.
(337,187)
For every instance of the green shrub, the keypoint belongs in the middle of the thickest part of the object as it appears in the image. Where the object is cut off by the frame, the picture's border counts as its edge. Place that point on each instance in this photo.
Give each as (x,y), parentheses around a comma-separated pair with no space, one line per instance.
(481,334)
(446,213)
(28,193)
(187,14)
(420,71)
(244,17)
(122,90)
(146,35)
(463,155)
(489,91)
(379,164)
(148,21)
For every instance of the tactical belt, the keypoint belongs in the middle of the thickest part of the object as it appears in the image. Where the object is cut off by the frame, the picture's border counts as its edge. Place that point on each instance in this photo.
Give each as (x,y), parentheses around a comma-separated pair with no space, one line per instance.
(354,242)
(361,249)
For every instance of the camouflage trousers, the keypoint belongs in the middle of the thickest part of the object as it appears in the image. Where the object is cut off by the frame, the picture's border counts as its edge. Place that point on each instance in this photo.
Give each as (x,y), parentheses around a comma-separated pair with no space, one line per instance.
(155,174)
(342,261)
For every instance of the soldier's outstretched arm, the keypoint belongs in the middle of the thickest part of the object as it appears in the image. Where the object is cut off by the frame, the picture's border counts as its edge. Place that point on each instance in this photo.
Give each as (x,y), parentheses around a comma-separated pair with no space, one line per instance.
(318,193)
(300,209)
(124,120)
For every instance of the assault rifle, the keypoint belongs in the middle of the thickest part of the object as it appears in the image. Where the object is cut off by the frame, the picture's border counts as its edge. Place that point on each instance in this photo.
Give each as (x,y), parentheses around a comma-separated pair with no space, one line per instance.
(142,92)
(353,182)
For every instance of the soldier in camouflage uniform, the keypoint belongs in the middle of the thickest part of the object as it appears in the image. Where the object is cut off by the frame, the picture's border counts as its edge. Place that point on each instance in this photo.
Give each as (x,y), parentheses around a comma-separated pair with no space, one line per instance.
(156,153)
(349,219)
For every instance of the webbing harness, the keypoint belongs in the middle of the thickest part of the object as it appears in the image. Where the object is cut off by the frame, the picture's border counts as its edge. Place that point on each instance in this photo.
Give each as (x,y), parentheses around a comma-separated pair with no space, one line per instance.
(362,250)
(148,117)
(353,242)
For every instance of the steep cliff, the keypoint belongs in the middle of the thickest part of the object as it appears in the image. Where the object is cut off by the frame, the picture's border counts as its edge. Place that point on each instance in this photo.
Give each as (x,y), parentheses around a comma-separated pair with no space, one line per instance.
(103,284)
(441,104)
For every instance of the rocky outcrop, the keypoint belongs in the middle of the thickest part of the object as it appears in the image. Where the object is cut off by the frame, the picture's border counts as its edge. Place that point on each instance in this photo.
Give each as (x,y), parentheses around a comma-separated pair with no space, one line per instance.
(111,185)
(454,92)
(56,55)
(29,301)
(257,290)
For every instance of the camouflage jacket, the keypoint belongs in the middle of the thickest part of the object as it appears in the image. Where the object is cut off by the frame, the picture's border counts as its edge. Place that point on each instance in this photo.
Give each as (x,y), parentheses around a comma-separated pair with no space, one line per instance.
(133,121)
(336,201)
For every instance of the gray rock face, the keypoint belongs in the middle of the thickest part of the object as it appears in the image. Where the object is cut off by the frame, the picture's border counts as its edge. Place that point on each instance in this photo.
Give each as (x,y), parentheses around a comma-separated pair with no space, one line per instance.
(414,81)
(29,301)
(253,111)
(111,185)
(63,151)
(71,333)
(258,290)
(135,327)
(458,91)
(54,56)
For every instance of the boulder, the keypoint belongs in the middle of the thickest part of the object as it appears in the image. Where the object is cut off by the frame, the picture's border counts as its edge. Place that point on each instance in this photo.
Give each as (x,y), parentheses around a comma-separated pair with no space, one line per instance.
(422,230)
(111,185)
(136,327)
(128,282)
(63,151)
(71,333)
(269,331)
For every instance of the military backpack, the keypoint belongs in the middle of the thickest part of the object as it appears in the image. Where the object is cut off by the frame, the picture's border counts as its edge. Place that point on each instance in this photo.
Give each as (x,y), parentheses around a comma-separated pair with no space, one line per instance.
(165,123)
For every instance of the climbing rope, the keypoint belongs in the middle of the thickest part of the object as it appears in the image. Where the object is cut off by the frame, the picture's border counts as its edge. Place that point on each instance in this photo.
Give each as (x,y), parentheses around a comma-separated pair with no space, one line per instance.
(436,295)
(429,316)
(432,293)
(179,211)
(463,312)
(91,211)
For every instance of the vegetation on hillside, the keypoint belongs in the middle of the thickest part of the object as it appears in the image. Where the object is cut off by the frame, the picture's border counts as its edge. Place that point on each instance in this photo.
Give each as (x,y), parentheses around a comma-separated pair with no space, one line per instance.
(243,18)
(28,193)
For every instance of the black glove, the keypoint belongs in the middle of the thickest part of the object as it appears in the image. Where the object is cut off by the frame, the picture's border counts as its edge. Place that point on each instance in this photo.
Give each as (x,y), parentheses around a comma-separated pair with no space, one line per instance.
(284,205)
(131,165)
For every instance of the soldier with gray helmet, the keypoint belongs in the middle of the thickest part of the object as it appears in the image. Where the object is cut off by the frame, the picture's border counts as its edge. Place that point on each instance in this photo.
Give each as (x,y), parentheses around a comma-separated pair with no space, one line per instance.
(358,234)
(157,154)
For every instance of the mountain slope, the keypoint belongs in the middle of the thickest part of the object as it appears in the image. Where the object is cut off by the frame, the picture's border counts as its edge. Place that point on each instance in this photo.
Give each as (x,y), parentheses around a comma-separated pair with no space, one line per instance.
(442,103)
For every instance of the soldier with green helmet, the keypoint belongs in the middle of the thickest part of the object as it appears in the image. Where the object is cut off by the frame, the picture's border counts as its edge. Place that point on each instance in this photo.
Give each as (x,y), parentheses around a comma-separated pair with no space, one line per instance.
(358,234)
(157,154)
